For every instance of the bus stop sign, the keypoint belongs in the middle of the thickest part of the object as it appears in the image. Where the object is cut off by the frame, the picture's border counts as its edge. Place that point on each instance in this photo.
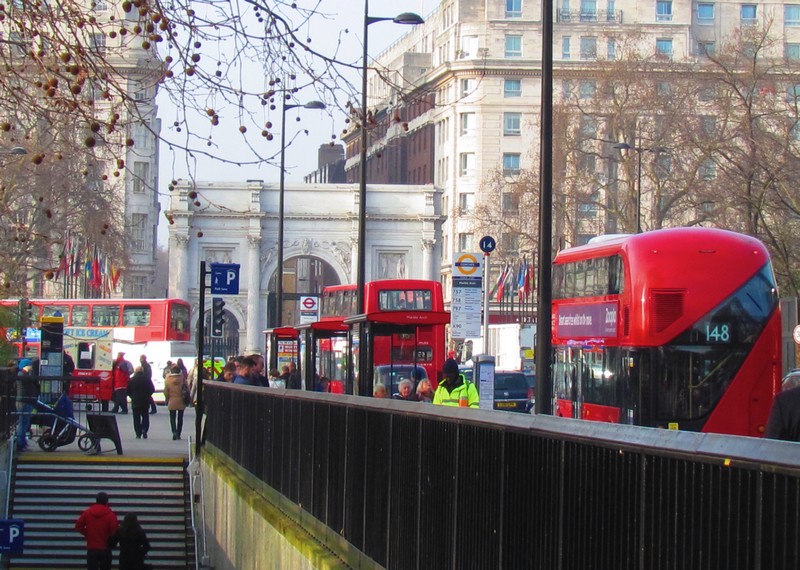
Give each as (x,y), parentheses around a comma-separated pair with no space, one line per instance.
(224,278)
(12,536)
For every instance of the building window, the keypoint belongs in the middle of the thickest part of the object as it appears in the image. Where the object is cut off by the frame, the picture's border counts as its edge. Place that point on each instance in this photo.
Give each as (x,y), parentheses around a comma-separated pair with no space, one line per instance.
(511,164)
(588,10)
(136,286)
(467,87)
(565,41)
(792,51)
(793,94)
(588,47)
(141,177)
(510,202)
(512,88)
(97,43)
(708,125)
(611,12)
(512,124)
(141,136)
(612,49)
(467,123)
(748,14)
(513,8)
(464,242)
(513,46)
(469,46)
(138,233)
(662,166)
(791,15)
(705,13)
(466,202)
(510,243)
(705,49)
(664,48)
(708,169)
(567,89)
(467,163)
(663,88)
(586,89)
(663,11)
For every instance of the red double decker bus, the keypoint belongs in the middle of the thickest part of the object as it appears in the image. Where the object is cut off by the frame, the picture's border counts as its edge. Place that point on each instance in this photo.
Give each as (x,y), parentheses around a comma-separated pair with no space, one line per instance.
(676,328)
(96,329)
(408,322)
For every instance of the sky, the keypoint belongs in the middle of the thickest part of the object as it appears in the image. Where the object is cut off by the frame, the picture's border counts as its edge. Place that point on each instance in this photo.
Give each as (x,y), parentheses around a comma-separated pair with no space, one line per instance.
(301,155)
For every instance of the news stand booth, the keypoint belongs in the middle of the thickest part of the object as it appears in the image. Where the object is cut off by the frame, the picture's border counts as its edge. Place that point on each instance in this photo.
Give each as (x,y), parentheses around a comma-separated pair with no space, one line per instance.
(53,384)
(323,353)
(281,347)
(368,329)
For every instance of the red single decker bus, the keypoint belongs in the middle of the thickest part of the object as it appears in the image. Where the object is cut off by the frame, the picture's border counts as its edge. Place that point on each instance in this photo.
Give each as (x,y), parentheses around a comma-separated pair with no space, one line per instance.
(95,330)
(408,322)
(676,328)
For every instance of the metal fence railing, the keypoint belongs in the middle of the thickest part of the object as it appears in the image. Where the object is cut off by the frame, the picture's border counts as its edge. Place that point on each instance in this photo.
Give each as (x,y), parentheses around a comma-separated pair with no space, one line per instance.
(419,486)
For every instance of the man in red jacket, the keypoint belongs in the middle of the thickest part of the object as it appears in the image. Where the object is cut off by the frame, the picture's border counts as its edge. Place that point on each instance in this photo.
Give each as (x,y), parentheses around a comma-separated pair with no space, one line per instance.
(98,523)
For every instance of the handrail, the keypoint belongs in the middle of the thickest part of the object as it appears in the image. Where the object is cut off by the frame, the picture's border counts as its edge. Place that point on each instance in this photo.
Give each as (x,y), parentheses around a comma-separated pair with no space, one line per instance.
(199,535)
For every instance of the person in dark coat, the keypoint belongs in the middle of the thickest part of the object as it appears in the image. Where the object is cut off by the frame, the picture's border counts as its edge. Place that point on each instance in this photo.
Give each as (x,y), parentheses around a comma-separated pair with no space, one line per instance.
(98,524)
(784,417)
(133,543)
(140,391)
(148,372)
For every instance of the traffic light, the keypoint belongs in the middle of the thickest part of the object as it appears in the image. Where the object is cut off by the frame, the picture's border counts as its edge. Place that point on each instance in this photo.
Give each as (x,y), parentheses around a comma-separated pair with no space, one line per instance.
(28,315)
(217,316)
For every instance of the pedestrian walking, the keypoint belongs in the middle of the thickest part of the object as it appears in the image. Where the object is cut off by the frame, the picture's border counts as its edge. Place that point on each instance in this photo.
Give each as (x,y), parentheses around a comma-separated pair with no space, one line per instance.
(27,393)
(148,372)
(121,372)
(784,417)
(454,389)
(176,394)
(98,524)
(133,544)
(140,391)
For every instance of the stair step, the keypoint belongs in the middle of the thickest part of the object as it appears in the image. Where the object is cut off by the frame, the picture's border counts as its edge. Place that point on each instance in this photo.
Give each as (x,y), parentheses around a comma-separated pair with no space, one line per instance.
(50,495)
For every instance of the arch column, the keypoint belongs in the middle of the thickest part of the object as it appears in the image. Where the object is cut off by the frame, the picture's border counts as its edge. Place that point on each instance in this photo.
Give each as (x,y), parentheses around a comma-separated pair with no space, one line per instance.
(428,268)
(179,286)
(253,340)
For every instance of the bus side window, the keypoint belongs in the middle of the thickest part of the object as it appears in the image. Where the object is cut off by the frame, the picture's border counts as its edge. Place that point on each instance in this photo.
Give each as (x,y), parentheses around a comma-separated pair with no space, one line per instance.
(85,356)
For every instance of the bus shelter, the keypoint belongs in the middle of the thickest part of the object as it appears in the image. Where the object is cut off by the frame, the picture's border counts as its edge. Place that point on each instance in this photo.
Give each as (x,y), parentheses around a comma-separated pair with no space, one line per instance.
(323,354)
(282,347)
(389,338)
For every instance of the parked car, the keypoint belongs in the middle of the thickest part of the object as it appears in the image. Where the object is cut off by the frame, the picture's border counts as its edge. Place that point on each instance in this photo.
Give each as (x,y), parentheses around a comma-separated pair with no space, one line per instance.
(791,380)
(511,392)
(390,375)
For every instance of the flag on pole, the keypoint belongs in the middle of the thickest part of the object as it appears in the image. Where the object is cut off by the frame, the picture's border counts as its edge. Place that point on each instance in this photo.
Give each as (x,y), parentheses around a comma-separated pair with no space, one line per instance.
(523,273)
(497,289)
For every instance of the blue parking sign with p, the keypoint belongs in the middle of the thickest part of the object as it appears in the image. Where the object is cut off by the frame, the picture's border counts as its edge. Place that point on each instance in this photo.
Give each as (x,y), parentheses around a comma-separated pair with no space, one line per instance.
(224,278)
(12,536)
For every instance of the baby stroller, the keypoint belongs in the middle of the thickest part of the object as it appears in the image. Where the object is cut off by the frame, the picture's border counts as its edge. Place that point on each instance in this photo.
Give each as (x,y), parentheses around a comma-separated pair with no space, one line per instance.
(61,427)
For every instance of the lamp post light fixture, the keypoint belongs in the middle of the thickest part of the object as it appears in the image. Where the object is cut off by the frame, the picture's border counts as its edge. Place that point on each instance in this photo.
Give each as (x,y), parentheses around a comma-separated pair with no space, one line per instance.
(408,18)
(639,150)
(281,192)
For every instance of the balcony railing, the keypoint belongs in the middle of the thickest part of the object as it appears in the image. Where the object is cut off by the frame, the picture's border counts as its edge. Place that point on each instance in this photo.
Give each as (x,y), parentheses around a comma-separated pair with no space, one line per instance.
(577,16)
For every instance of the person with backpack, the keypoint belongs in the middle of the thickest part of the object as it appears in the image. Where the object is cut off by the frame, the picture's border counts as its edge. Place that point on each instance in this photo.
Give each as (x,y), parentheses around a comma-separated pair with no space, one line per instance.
(454,389)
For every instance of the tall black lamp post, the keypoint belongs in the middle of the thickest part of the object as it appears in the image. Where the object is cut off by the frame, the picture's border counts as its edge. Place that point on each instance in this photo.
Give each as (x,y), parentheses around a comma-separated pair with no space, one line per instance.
(639,150)
(404,18)
(279,279)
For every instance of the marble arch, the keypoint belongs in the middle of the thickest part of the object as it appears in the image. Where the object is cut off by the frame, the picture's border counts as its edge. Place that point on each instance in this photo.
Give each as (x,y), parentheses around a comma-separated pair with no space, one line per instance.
(237,222)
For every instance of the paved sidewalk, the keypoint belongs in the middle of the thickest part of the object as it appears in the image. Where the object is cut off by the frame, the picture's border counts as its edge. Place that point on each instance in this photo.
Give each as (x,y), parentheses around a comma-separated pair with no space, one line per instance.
(159,442)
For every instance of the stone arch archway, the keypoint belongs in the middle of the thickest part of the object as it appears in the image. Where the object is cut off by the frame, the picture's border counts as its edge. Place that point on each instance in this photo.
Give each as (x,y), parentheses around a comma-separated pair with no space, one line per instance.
(302,275)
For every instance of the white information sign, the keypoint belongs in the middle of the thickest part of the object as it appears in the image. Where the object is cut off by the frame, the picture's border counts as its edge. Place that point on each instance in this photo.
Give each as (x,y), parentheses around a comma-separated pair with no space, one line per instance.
(309,309)
(467,298)
(487,386)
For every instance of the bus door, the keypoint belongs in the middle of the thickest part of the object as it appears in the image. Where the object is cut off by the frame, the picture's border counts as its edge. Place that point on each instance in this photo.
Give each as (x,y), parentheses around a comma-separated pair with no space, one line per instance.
(565,382)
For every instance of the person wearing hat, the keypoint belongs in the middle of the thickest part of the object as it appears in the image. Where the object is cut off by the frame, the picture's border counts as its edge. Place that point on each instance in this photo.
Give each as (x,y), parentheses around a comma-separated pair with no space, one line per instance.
(27,392)
(454,389)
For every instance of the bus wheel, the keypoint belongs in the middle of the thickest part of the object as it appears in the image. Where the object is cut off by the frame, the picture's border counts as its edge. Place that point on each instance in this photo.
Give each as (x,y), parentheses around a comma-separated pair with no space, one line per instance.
(48,442)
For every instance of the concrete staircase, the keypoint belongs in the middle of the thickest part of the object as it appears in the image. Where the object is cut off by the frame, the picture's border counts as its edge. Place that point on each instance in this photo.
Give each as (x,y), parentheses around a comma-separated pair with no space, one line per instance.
(49,492)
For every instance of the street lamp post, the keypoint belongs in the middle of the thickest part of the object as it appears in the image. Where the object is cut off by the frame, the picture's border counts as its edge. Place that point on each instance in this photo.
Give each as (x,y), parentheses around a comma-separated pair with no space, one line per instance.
(639,150)
(279,278)
(407,18)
